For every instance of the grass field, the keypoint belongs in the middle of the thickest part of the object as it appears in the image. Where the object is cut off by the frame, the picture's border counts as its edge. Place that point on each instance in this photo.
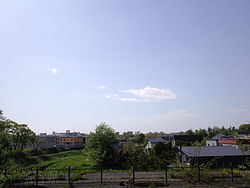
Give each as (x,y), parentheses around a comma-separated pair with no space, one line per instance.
(73,158)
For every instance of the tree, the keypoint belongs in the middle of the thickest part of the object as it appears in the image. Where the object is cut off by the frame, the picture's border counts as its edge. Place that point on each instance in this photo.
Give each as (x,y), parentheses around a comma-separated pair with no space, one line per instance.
(21,136)
(1,115)
(13,137)
(102,145)
(202,132)
(244,129)
(189,132)
(140,138)
(165,152)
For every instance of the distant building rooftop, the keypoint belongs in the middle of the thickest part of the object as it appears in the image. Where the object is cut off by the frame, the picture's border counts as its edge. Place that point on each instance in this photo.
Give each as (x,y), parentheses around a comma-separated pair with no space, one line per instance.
(216,151)
(156,140)
(221,136)
(65,134)
(228,141)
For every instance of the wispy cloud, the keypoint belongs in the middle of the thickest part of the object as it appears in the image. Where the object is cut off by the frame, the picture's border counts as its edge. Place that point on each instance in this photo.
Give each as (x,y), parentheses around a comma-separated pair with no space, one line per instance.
(101,87)
(236,111)
(147,94)
(179,114)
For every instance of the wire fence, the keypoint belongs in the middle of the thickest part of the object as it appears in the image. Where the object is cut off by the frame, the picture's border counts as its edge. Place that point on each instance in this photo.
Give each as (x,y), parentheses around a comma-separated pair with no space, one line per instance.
(70,175)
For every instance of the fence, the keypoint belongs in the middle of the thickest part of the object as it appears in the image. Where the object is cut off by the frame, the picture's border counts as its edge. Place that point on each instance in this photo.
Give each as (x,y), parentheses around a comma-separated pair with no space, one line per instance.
(69,175)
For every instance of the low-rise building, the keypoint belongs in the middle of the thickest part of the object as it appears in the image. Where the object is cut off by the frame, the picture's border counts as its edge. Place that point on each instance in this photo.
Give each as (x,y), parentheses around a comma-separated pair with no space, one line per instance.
(61,140)
(152,142)
(219,156)
(216,140)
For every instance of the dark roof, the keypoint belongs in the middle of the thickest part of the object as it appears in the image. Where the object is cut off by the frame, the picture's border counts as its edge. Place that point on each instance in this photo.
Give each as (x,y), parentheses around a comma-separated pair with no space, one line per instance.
(242,135)
(211,151)
(221,136)
(156,140)
(188,138)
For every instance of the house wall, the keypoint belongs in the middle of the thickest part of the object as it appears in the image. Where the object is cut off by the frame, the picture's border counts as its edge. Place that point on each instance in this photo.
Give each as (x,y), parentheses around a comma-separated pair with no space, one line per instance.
(211,143)
(70,141)
(219,162)
(148,147)
(45,142)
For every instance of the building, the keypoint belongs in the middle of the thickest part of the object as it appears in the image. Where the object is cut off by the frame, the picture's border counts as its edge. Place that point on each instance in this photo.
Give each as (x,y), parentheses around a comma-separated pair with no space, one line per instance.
(219,156)
(152,142)
(70,142)
(61,140)
(222,140)
(228,142)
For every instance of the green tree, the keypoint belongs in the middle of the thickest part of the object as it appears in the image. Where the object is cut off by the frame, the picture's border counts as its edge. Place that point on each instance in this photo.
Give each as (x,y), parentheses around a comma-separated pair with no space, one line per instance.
(189,132)
(244,129)
(202,132)
(21,136)
(165,152)
(5,141)
(140,138)
(101,144)
(13,138)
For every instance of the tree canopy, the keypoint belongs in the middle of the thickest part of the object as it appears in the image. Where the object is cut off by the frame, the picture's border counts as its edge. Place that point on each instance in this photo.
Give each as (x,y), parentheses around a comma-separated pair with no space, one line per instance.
(13,137)
(102,145)
(244,129)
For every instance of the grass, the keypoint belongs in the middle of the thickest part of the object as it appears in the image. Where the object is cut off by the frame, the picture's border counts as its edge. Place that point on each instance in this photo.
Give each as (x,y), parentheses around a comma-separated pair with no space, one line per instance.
(73,158)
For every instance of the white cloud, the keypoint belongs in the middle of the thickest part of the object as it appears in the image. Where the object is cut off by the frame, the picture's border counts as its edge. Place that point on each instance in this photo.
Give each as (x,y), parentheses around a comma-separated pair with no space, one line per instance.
(54,70)
(179,114)
(101,87)
(235,111)
(146,94)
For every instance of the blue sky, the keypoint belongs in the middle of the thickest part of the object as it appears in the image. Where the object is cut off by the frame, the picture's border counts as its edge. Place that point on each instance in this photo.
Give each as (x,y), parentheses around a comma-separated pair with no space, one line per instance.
(136,65)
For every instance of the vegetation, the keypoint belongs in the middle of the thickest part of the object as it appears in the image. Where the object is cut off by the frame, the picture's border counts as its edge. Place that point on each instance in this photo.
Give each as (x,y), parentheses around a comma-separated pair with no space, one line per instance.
(165,152)
(101,151)
(101,145)
(73,158)
(244,129)
(13,138)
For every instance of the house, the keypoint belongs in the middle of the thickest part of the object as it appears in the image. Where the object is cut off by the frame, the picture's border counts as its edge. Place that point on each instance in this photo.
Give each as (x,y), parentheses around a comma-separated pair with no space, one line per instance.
(228,142)
(152,142)
(215,141)
(219,156)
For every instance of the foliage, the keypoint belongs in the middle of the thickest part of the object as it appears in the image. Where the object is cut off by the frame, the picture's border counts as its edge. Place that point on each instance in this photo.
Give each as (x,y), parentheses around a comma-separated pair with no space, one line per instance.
(137,158)
(101,145)
(13,138)
(140,138)
(193,175)
(73,158)
(165,152)
(244,129)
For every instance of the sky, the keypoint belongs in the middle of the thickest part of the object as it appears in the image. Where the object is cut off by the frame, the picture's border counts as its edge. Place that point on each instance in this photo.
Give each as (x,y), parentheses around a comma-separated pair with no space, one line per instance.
(136,65)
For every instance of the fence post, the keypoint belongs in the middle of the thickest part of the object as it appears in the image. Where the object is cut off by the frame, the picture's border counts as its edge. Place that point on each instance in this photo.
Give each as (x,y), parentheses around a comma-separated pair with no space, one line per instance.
(133,169)
(166,174)
(199,173)
(37,176)
(69,175)
(232,172)
(101,174)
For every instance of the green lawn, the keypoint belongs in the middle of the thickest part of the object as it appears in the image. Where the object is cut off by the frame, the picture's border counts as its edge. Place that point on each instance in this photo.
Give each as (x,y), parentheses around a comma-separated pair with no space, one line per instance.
(73,158)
